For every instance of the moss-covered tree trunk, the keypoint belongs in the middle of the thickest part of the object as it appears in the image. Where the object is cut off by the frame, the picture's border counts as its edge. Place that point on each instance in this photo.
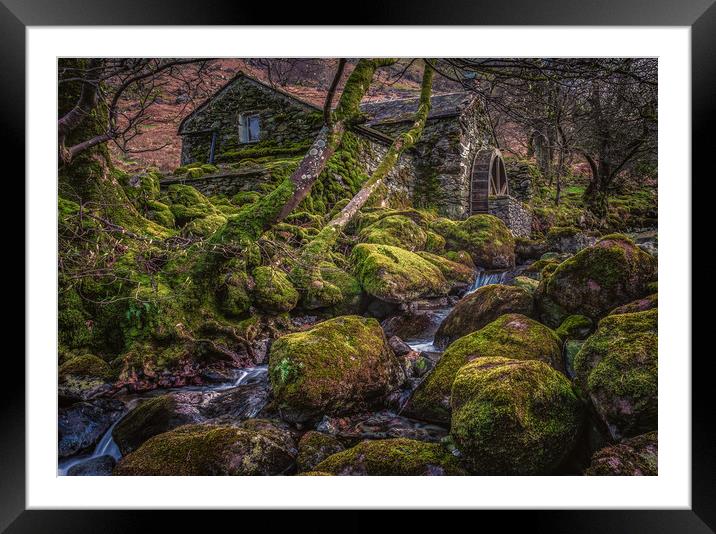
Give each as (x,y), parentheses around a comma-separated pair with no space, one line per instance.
(306,274)
(276,206)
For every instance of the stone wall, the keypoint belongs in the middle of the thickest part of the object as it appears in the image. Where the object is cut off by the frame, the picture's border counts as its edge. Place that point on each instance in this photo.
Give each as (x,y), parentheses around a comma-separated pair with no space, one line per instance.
(519,176)
(225,183)
(516,215)
(284,122)
(443,159)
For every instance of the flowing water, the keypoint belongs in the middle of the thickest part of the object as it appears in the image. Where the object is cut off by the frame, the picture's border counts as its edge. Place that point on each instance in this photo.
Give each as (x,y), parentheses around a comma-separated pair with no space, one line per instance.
(425,342)
(107,447)
(387,422)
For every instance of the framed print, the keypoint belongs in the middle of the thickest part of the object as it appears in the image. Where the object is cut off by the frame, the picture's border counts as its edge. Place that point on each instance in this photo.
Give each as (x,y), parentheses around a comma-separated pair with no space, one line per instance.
(365,266)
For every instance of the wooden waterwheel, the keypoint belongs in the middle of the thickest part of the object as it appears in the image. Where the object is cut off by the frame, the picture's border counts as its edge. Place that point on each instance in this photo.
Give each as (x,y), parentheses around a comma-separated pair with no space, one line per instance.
(487,178)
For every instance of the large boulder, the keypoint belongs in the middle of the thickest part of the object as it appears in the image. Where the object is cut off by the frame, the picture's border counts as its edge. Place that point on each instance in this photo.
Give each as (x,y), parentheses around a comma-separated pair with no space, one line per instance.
(83,377)
(151,417)
(482,307)
(396,275)
(489,242)
(82,425)
(647,303)
(567,239)
(637,456)
(594,281)
(513,417)
(511,336)
(392,457)
(339,366)
(259,448)
(617,368)
(273,292)
(314,447)
(396,230)
(458,275)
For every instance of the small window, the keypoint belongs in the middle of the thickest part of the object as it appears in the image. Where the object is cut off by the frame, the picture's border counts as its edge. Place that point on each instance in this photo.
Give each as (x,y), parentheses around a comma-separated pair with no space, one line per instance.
(249,128)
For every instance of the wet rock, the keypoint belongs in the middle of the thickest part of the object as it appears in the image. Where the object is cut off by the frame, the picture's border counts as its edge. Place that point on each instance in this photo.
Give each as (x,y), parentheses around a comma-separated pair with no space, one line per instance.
(98,466)
(237,404)
(617,367)
(647,303)
(83,378)
(512,417)
(82,425)
(154,416)
(392,457)
(482,307)
(400,347)
(637,456)
(314,447)
(380,425)
(575,327)
(340,366)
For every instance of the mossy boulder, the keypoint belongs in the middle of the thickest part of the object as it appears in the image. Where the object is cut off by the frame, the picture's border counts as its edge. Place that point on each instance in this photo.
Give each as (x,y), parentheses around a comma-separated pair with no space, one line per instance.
(351,293)
(203,449)
(575,327)
(187,204)
(511,336)
(434,243)
(481,307)
(396,275)
(233,297)
(595,280)
(340,366)
(647,303)
(314,447)
(638,456)
(526,283)
(396,230)
(205,226)
(513,417)
(84,377)
(485,237)
(273,291)
(458,275)
(617,368)
(151,417)
(245,197)
(392,457)
(567,239)
(541,268)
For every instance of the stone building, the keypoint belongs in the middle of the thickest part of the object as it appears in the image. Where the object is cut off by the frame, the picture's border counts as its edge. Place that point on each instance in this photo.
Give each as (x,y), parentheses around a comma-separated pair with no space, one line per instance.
(247,120)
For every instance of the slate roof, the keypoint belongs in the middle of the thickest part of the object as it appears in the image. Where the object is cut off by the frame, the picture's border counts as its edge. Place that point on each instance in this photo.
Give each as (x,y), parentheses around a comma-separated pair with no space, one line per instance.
(403,109)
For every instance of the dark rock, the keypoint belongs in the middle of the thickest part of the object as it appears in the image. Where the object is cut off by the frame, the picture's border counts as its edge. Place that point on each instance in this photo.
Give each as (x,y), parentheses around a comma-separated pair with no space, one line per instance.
(98,466)
(637,456)
(82,425)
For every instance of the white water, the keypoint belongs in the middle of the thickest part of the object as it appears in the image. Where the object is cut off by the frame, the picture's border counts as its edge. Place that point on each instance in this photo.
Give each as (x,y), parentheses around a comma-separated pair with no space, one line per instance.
(483,278)
(107,445)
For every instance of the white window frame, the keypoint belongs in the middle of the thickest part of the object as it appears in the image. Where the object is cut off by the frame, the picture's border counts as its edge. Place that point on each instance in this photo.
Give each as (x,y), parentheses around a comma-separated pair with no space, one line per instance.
(245,130)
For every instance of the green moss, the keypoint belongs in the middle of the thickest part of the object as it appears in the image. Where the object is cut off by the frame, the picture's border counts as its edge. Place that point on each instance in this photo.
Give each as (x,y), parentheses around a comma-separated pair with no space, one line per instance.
(528,284)
(395,230)
(460,257)
(618,368)
(511,336)
(595,280)
(245,197)
(637,456)
(205,226)
(273,291)
(151,417)
(161,214)
(457,274)
(481,307)
(434,243)
(86,365)
(339,366)
(314,447)
(393,274)
(488,241)
(187,204)
(512,417)
(201,450)
(392,457)
(72,320)
(575,327)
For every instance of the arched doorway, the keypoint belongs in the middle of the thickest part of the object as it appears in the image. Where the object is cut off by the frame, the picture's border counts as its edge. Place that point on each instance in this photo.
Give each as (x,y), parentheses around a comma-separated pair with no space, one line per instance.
(487,178)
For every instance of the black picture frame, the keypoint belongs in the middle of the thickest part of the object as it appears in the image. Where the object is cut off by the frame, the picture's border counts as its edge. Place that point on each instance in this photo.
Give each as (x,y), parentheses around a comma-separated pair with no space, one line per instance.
(700,15)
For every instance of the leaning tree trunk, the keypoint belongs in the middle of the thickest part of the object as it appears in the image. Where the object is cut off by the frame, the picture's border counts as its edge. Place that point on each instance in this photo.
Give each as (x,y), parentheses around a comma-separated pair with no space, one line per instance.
(306,275)
(273,208)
